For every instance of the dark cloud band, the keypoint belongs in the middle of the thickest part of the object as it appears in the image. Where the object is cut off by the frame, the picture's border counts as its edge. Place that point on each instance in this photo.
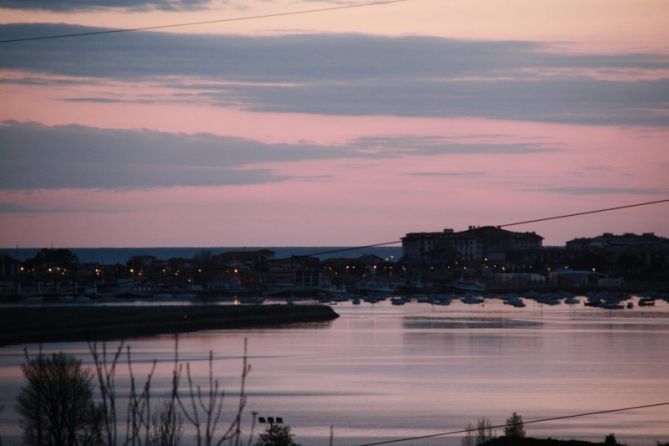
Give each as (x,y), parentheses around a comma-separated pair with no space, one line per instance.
(361,74)
(84,5)
(35,156)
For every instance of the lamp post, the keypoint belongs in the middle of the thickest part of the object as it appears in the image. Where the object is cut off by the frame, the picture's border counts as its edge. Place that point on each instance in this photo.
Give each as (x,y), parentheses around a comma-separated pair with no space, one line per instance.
(272,421)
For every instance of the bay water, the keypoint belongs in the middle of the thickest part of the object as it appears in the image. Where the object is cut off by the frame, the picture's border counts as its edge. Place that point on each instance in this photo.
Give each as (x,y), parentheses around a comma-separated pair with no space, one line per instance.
(382,372)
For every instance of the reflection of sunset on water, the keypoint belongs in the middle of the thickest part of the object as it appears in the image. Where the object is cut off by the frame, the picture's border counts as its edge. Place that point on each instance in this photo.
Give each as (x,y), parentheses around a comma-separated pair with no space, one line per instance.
(384,371)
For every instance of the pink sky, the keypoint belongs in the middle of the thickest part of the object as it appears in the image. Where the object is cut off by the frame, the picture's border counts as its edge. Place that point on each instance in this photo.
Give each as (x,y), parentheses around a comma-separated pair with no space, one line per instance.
(555,166)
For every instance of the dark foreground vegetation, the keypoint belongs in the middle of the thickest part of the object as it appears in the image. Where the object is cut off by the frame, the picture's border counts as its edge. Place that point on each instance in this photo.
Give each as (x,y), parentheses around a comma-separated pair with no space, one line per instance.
(59,406)
(527,441)
(55,324)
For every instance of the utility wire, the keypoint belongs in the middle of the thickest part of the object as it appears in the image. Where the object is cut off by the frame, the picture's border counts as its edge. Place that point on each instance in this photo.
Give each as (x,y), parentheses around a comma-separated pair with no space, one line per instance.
(499,426)
(584,213)
(557,217)
(353,248)
(204,22)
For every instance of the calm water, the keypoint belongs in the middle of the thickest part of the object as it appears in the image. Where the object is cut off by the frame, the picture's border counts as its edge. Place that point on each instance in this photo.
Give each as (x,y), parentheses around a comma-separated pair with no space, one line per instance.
(384,371)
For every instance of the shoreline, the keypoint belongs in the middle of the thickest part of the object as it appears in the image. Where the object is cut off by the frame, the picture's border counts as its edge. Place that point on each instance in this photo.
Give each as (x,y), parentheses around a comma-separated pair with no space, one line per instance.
(21,325)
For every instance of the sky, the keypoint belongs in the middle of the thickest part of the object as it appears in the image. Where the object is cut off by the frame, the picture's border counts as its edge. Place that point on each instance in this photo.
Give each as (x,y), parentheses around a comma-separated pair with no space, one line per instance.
(341,127)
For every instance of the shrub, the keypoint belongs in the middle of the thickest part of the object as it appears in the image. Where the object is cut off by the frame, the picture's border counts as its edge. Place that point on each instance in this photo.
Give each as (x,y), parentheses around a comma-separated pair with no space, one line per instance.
(514,426)
(56,404)
(167,426)
(468,439)
(276,435)
(610,440)
(478,435)
(484,431)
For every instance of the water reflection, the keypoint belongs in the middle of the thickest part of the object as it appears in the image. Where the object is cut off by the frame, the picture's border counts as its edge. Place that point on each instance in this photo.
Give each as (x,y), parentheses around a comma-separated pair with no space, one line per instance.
(427,323)
(382,371)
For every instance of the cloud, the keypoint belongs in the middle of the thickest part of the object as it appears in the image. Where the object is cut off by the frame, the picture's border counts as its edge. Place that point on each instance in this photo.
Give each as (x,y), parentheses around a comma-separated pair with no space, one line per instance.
(386,146)
(582,101)
(14,208)
(348,74)
(445,174)
(103,100)
(361,75)
(39,80)
(85,5)
(37,156)
(291,58)
(599,168)
(599,190)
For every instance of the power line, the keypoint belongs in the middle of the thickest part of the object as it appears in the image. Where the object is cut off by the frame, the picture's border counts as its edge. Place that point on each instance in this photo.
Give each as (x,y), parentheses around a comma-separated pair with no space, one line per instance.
(353,248)
(204,22)
(557,217)
(584,213)
(499,426)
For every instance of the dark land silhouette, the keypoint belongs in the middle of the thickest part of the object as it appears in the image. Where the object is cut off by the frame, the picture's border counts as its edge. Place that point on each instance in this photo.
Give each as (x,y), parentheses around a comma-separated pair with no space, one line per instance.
(79,323)
(528,441)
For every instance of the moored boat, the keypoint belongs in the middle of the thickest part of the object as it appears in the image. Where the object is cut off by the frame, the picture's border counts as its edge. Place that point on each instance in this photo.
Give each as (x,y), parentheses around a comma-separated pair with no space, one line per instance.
(515,302)
(472,300)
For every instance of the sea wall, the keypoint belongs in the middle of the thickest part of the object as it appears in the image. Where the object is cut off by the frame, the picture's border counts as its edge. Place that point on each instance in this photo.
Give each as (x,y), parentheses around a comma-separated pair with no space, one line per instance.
(79,323)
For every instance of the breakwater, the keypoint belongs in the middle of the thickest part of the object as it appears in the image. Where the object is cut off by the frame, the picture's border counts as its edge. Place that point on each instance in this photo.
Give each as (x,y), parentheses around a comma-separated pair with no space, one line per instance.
(78,323)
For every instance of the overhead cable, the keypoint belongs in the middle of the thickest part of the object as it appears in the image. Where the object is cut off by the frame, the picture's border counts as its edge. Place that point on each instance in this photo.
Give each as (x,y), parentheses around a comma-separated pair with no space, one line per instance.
(203,22)
(557,217)
(597,211)
(499,426)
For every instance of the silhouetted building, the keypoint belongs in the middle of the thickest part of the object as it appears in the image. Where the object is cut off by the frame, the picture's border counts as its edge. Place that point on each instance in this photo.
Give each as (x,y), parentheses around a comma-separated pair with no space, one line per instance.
(643,257)
(487,243)
(496,242)
(297,272)
(625,242)
(519,279)
(439,257)
(578,279)
(9,267)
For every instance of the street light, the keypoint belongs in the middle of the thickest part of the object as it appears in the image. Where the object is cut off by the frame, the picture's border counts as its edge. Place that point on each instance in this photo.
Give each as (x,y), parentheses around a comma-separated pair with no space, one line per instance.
(272,421)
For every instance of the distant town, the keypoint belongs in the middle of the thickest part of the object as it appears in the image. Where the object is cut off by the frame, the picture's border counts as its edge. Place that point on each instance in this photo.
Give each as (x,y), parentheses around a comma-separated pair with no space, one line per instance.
(478,260)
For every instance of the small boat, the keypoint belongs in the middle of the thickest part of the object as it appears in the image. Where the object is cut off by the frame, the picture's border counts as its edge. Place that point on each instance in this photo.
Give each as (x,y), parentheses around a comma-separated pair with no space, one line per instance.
(371,300)
(548,299)
(646,302)
(515,302)
(445,299)
(593,302)
(472,300)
